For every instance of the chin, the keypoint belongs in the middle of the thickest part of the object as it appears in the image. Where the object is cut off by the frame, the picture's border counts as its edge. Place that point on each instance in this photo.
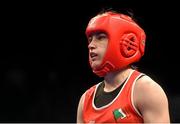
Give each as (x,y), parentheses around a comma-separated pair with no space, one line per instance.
(95,65)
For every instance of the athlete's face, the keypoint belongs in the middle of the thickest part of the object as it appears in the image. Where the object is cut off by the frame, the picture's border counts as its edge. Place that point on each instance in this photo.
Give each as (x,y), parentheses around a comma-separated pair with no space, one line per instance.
(98,43)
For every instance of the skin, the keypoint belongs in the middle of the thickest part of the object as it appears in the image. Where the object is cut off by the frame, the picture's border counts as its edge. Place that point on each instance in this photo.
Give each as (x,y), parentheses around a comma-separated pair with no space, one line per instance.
(98,43)
(148,96)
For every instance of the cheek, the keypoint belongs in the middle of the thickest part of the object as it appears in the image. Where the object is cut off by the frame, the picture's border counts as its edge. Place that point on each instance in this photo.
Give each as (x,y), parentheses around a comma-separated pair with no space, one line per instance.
(103,51)
(96,63)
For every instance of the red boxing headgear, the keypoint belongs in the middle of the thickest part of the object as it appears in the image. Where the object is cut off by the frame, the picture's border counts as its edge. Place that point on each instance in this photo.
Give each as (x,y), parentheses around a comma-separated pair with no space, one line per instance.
(126,42)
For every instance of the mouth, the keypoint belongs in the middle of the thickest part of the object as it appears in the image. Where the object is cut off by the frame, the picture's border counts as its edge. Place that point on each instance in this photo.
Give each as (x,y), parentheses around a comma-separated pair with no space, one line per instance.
(93,56)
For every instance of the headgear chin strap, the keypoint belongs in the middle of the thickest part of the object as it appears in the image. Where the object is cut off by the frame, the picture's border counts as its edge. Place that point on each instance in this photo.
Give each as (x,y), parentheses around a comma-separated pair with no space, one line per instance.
(126,43)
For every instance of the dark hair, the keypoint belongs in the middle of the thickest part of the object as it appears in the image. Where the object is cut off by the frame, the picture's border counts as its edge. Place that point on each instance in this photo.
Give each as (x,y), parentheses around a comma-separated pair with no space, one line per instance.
(129,12)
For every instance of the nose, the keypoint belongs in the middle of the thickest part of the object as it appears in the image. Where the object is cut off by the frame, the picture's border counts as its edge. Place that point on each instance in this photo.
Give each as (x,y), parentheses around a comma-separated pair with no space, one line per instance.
(92,45)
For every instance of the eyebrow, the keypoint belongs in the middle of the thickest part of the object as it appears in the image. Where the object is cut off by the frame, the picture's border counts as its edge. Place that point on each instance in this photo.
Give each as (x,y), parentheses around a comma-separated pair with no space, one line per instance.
(97,33)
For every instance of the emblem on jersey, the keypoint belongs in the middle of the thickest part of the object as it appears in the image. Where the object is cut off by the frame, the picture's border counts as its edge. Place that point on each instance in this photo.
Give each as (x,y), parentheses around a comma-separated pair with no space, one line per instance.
(119,113)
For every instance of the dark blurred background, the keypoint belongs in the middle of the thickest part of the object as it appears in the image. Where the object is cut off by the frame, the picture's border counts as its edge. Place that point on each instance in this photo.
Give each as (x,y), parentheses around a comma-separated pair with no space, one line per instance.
(44,57)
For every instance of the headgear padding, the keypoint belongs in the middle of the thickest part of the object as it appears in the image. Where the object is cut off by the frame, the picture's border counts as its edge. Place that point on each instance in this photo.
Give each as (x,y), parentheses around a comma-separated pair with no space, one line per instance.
(126,43)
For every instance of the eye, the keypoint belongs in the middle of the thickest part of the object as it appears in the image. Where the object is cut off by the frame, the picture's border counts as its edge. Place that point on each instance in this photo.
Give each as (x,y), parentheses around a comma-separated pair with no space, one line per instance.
(90,39)
(97,36)
(101,36)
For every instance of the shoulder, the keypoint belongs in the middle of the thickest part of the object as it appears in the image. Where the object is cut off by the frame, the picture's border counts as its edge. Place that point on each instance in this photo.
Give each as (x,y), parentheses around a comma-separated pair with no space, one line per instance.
(84,96)
(149,97)
(147,89)
(87,94)
(147,83)
(148,86)
(79,118)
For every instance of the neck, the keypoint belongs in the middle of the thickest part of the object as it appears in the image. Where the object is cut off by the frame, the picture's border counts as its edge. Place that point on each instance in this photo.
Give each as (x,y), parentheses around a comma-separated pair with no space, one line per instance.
(115,79)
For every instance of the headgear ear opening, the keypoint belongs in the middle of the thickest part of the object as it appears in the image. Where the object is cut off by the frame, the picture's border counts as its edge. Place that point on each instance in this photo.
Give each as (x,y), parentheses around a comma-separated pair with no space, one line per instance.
(128,45)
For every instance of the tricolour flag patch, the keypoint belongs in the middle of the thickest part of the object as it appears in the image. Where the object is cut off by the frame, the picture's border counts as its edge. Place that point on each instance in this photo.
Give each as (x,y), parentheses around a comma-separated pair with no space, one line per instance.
(118,113)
